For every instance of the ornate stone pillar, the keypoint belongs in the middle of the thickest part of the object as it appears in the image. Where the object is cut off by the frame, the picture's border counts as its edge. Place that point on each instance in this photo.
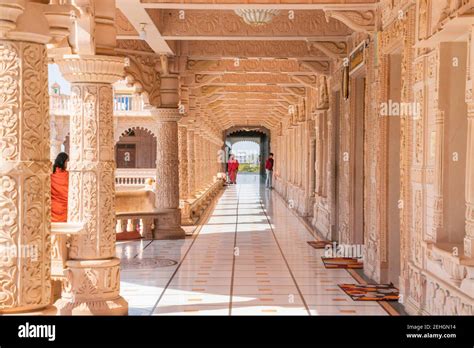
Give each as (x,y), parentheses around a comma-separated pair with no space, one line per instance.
(25,167)
(183,176)
(93,272)
(191,162)
(469,238)
(208,166)
(198,160)
(24,177)
(167,173)
(183,162)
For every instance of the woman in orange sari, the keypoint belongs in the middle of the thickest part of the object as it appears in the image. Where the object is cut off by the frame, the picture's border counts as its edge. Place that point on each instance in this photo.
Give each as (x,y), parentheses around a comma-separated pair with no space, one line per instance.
(233,168)
(59,188)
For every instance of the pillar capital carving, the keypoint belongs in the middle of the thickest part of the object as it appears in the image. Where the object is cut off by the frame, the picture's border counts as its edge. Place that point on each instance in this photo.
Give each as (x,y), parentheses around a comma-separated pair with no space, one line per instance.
(165,114)
(91,68)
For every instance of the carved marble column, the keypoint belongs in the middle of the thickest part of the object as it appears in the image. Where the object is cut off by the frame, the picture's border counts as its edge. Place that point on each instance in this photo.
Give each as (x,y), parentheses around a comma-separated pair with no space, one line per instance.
(191,162)
(183,162)
(167,174)
(24,177)
(469,238)
(208,166)
(183,176)
(93,272)
(198,160)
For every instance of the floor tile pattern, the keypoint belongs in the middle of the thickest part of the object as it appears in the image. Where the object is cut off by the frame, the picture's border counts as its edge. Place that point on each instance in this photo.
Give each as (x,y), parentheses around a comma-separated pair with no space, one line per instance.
(250,257)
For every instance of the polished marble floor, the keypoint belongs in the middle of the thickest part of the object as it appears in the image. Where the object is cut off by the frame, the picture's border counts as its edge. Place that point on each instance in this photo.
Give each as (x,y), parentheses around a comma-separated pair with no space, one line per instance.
(249,257)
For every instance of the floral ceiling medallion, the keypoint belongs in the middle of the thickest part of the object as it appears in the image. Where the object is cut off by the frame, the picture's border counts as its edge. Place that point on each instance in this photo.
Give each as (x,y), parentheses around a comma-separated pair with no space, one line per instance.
(257,17)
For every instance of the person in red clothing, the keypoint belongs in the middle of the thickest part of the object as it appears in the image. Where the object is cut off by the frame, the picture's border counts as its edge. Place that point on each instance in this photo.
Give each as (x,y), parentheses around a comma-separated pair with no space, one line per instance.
(233,168)
(59,188)
(269,170)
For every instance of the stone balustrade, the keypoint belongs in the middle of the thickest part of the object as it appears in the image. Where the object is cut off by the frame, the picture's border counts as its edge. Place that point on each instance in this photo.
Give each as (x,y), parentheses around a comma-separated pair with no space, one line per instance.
(136,214)
(124,104)
(196,206)
(133,178)
(135,225)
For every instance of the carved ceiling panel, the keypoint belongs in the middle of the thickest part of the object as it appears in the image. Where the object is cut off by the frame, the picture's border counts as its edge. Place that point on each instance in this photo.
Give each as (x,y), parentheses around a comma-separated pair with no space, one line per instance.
(173,23)
(235,73)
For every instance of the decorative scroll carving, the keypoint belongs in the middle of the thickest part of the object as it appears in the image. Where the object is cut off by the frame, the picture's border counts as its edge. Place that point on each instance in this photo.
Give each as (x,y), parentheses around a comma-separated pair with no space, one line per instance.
(331,49)
(356,20)
(24,177)
(143,75)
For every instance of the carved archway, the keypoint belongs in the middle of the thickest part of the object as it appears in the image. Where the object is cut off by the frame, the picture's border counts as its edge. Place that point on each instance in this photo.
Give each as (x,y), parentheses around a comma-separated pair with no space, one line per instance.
(136,148)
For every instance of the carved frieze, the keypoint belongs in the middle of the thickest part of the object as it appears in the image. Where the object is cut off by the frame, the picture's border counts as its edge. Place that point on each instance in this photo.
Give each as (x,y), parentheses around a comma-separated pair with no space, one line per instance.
(226,23)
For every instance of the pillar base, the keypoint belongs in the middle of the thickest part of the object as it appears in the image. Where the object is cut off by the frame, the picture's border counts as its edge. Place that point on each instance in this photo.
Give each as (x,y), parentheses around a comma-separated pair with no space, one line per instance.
(168,225)
(116,306)
(49,310)
(92,287)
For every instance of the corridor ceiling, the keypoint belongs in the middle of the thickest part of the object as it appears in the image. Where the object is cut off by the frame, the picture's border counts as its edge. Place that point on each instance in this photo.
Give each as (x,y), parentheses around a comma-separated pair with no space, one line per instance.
(236,74)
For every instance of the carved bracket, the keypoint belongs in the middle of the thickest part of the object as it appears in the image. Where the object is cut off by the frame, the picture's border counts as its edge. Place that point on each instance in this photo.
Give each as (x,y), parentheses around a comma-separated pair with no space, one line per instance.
(360,21)
(331,49)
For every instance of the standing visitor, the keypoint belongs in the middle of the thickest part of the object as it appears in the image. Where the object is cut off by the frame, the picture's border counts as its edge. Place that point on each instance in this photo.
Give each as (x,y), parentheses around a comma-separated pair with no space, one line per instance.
(233,168)
(269,170)
(59,188)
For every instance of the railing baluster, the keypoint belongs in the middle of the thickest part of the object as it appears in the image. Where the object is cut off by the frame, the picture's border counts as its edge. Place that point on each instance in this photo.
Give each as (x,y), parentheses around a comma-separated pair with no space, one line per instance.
(130,225)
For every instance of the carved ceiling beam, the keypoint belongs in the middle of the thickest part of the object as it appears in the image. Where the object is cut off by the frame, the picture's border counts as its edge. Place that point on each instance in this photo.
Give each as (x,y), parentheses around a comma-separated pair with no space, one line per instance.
(317,67)
(297,91)
(138,17)
(359,21)
(306,80)
(246,65)
(275,4)
(275,49)
(201,80)
(225,25)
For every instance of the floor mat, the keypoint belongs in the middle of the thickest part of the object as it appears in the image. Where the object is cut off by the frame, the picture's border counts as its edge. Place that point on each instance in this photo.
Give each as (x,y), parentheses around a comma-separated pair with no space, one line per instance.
(371,292)
(319,244)
(342,262)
